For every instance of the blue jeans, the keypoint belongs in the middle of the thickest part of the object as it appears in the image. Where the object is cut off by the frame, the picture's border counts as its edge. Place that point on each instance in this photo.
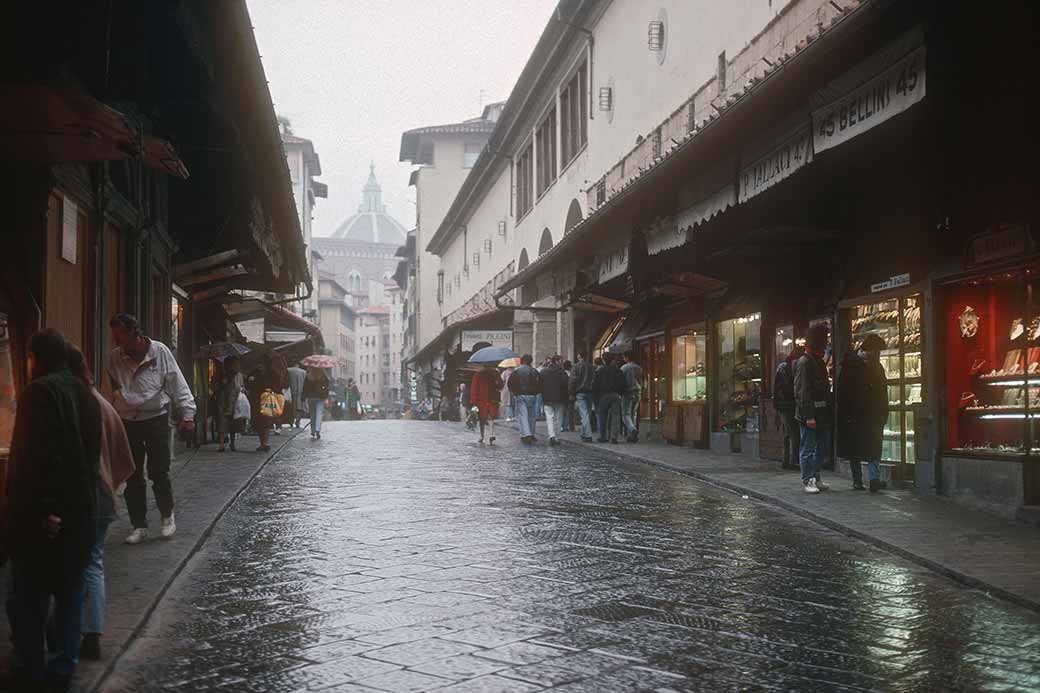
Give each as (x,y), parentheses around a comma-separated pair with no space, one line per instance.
(815,450)
(539,407)
(29,612)
(94,581)
(525,413)
(630,410)
(585,407)
(608,414)
(316,408)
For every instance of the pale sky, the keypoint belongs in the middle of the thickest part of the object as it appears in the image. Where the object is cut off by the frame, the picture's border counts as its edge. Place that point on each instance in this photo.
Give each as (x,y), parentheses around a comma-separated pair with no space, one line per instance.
(352,75)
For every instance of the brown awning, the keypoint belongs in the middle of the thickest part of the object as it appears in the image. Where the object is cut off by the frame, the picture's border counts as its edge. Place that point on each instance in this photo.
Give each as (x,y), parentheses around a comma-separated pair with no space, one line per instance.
(60,124)
(253,308)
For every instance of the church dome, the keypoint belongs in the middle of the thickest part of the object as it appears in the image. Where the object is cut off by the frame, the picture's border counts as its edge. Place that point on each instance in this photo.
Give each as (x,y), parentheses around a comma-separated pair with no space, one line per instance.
(372,224)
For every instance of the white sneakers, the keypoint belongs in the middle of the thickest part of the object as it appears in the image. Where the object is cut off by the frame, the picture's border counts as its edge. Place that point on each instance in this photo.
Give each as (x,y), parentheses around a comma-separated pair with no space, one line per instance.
(815,486)
(821,485)
(169,527)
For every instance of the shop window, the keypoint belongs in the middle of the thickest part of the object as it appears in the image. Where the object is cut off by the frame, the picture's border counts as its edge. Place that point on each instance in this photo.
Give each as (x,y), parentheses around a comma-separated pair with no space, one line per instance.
(740,372)
(898,322)
(470,154)
(689,371)
(992,339)
(784,343)
(7,390)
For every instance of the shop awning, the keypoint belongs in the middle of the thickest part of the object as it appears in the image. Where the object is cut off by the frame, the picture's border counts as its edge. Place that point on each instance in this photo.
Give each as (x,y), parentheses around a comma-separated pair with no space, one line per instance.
(51,125)
(241,310)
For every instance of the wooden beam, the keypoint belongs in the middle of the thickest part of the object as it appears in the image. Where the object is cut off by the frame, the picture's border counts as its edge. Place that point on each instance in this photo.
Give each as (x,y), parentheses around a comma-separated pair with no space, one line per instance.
(225,258)
(213,292)
(213,275)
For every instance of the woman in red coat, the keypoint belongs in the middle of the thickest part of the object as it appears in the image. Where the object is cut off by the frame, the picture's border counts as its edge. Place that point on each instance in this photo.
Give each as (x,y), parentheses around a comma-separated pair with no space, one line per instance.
(485,392)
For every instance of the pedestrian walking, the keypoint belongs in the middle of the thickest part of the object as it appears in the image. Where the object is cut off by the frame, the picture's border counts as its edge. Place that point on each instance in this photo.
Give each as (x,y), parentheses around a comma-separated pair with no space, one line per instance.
(265,385)
(608,386)
(485,396)
(115,466)
(298,408)
(861,395)
(568,410)
(633,373)
(148,391)
(814,409)
(229,385)
(353,401)
(581,388)
(315,392)
(784,404)
(52,512)
(506,404)
(556,394)
(525,384)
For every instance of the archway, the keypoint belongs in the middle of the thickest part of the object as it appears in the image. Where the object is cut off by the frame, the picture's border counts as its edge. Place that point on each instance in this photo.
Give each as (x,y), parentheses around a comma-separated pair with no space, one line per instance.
(574,217)
(523,261)
(546,244)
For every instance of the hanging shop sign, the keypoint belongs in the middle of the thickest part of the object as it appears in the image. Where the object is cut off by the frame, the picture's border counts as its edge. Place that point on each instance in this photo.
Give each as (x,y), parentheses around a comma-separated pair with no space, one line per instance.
(698,213)
(891,283)
(870,103)
(781,162)
(1001,244)
(498,338)
(613,264)
(664,235)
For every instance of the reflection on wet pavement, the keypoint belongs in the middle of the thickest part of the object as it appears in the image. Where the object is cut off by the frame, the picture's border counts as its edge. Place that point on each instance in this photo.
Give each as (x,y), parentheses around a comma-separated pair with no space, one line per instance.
(400,556)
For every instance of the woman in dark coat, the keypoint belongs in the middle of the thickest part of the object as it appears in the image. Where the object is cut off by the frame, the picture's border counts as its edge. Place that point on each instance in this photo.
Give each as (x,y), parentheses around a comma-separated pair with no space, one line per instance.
(862,399)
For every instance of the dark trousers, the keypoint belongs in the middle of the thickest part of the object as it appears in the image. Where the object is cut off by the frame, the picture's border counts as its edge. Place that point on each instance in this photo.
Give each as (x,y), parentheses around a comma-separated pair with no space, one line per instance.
(29,613)
(608,415)
(149,439)
(792,438)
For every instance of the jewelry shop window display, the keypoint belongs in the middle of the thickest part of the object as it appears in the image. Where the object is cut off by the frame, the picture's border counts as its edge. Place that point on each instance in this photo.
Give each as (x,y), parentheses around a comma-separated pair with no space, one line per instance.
(740,373)
(7,399)
(992,327)
(898,322)
(689,373)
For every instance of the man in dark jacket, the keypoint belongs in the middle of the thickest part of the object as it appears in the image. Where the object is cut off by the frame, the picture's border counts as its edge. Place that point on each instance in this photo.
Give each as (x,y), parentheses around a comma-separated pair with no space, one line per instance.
(783,403)
(814,408)
(581,387)
(525,384)
(608,386)
(862,398)
(556,393)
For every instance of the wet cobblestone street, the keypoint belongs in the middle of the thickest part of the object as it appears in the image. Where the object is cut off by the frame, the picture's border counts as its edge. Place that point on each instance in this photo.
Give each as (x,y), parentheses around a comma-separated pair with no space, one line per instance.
(401,556)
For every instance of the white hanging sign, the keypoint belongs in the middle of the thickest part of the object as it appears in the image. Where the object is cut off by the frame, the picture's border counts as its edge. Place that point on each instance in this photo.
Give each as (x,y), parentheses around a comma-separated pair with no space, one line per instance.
(697,214)
(664,236)
(613,264)
(778,164)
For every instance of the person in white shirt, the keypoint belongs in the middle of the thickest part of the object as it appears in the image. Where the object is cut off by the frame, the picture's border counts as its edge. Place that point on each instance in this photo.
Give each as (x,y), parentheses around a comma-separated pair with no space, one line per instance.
(148,388)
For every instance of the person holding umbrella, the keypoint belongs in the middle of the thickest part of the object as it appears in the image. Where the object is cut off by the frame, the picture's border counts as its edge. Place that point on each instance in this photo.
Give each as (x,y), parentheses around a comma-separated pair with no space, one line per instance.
(485,392)
(228,386)
(316,389)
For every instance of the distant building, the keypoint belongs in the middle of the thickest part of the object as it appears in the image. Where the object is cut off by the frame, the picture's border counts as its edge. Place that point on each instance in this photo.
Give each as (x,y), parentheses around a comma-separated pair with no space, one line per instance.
(304,165)
(338,322)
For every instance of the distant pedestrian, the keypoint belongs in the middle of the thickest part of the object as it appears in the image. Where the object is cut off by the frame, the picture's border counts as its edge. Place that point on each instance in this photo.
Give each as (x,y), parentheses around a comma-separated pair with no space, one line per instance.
(506,404)
(814,408)
(52,514)
(353,400)
(568,411)
(298,408)
(582,378)
(861,394)
(485,395)
(608,386)
(115,466)
(148,391)
(556,393)
(633,373)
(315,392)
(265,385)
(229,386)
(525,384)
(784,404)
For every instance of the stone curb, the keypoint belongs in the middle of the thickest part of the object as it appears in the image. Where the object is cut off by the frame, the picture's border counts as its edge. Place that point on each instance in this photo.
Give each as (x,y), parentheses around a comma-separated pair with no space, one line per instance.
(802,511)
(97,686)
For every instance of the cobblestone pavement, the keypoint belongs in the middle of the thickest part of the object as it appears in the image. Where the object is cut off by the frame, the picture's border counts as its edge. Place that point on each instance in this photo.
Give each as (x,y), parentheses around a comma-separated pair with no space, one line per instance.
(401,556)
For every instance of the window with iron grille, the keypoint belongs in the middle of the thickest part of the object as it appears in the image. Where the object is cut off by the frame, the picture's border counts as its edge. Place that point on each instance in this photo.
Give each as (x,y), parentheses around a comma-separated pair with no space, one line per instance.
(656,143)
(545,143)
(574,114)
(440,286)
(691,117)
(601,192)
(525,180)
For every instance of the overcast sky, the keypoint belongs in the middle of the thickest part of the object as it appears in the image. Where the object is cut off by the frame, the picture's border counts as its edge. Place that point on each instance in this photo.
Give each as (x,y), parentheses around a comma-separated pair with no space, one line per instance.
(352,75)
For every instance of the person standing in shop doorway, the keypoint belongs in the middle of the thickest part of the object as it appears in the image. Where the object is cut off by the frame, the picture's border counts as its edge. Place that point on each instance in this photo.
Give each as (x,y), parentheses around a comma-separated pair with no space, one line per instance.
(861,394)
(148,389)
(783,403)
(814,408)
(525,384)
(633,373)
(556,393)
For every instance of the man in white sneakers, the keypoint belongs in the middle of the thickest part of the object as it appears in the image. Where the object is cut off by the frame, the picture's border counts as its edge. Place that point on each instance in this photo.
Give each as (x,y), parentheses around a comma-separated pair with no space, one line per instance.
(814,408)
(148,387)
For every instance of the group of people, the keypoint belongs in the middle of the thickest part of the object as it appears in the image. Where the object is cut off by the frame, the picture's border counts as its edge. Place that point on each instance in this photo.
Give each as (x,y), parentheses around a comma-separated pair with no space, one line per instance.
(810,411)
(605,392)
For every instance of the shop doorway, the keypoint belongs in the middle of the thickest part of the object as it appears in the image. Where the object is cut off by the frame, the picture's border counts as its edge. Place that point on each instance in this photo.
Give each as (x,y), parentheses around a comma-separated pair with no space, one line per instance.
(653,359)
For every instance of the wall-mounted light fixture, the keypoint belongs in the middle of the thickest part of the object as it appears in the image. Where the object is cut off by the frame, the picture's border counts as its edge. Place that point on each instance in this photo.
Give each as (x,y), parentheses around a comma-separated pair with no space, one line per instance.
(606,98)
(502,228)
(655,36)
(476,260)
(487,246)
(458,281)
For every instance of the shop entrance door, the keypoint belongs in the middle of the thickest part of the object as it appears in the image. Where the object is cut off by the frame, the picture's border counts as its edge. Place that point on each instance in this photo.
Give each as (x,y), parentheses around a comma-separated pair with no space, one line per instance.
(655,378)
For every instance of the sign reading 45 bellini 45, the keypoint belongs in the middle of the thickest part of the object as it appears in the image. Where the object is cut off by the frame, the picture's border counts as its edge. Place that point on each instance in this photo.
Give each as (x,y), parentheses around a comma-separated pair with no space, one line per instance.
(881,97)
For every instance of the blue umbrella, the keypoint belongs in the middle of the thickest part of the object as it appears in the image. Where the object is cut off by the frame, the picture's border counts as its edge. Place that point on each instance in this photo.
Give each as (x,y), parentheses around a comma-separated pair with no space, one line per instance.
(492,354)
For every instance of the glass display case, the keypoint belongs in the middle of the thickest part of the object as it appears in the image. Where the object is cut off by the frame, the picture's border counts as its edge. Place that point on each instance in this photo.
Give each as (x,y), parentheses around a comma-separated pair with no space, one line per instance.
(740,373)
(652,357)
(992,354)
(689,371)
(897,321)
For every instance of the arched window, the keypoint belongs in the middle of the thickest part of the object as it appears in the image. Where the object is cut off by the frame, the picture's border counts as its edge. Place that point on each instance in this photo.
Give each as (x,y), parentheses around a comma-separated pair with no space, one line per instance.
(574,217)
(523,261)
(546,244)
(354,281)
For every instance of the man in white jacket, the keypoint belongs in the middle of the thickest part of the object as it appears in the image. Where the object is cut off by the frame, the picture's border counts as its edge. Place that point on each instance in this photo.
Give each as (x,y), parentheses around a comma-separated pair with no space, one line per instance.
(148,388)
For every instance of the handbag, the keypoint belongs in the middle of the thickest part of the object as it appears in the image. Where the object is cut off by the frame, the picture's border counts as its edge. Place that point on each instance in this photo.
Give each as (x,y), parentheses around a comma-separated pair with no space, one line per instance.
(272,404)
(242,408)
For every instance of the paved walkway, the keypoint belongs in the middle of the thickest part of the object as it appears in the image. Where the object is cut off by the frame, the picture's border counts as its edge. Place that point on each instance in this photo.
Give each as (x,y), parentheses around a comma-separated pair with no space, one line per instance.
(998,556)
(205,483)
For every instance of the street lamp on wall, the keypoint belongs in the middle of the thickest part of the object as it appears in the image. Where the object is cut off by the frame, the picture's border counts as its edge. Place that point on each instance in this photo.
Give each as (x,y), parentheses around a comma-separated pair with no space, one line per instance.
(487,246)
(655,36)
(502,228)
(606,98)
(476,260)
